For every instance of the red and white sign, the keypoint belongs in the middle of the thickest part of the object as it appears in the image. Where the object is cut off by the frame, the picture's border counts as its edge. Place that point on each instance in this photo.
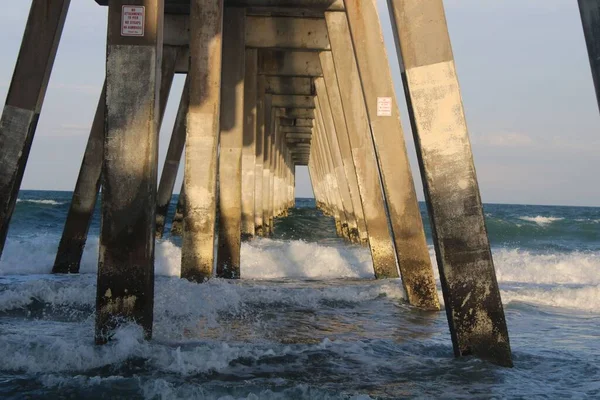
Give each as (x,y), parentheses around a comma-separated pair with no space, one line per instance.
(384,106)
(133,19)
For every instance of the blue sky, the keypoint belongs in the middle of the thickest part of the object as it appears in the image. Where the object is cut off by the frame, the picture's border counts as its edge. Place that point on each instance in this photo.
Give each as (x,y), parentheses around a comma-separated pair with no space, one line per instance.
(522,65)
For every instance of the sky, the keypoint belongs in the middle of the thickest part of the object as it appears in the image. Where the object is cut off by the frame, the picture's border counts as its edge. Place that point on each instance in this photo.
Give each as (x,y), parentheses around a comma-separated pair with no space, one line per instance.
(522,64)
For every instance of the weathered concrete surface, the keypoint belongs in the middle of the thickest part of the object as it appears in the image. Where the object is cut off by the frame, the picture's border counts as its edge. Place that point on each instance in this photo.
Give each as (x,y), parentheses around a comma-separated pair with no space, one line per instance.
(267,154)
(331,181)
(249,143)
(296,129)
(74,236)
(398,185)
(291,101)
(206,25)
(289,63)
(260,148)
(363,153)
(25,98)
(177,224)
(231,143)
(471,294)
(335,101)
(332,141)
(298,113)
(590,18)
(125,286)
(172,161)
(304,122)
(289,85)
(287,33)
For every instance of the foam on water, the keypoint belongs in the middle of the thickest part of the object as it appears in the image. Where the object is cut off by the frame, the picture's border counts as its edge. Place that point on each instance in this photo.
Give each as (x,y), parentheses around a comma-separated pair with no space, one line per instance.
(575,276)
(42,201)
(541,221)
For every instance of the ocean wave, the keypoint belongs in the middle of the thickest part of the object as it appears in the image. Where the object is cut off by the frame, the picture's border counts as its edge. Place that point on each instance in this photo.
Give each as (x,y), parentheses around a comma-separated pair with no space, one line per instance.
(540,220)
(585,298)
(44,202)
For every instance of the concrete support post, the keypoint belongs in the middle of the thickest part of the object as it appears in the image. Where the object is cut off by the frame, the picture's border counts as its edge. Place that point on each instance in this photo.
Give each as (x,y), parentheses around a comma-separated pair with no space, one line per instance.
(398,185)
(81,210)
(335,101)
(590,18)
(177,224)
(25,98)
(260,148)
(267,154)
(274,134)
(231,143)
(363,153)
(172,161)
(249,144)
(125,287)
(351,229)
(320,140)
(206,25)
(471,294)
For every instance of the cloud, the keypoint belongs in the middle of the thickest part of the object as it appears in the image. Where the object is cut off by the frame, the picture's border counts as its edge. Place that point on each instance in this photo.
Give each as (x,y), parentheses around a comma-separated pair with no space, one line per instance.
(505,140)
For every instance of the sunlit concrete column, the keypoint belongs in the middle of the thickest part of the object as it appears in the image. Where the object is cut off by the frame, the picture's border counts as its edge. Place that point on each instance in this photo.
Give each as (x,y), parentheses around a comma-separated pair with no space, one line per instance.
(231,143)
(249,144)
(267,154)
(363,153)
(332,141)
(343,141)
(260,148)
(25,98)
(590,18)
(177,224)
(471,294)
(398,185)
(125,287)
(332,183)
(172,161)
(206,25)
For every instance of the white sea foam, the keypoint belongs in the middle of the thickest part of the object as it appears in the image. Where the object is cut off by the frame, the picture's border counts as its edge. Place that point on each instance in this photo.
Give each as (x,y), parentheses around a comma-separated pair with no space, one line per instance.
(585,298)
(266,259)
(540,220)
(46,202)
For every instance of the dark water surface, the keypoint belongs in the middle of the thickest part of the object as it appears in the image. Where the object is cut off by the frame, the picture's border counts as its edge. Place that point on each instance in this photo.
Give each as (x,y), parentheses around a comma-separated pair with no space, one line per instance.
(307,320)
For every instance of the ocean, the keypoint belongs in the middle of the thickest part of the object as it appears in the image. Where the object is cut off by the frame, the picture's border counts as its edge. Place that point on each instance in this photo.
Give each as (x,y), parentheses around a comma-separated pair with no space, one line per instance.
(307,321)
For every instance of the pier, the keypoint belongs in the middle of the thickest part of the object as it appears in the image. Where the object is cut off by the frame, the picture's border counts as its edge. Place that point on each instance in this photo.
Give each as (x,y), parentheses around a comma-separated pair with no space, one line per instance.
(270,85)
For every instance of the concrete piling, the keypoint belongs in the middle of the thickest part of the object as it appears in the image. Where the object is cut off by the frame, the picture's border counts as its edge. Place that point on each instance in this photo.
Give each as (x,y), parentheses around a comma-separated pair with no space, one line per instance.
(363,153)
(259,153)
(206,26)
(351,229)
(177,223)
(25,99)
(172,161)
(231,143)
(249,143)
(125,287)
(471,294)
(399,189)
(85,194)
(590,19)
(79,217)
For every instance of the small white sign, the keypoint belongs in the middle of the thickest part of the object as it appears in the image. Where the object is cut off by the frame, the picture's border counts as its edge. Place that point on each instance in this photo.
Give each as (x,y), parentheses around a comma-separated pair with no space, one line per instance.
(384,106)
(133,19)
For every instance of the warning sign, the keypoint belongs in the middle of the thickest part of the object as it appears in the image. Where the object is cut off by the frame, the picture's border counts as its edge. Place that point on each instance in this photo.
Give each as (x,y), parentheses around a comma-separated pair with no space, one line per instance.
(133,19)
(384,106)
